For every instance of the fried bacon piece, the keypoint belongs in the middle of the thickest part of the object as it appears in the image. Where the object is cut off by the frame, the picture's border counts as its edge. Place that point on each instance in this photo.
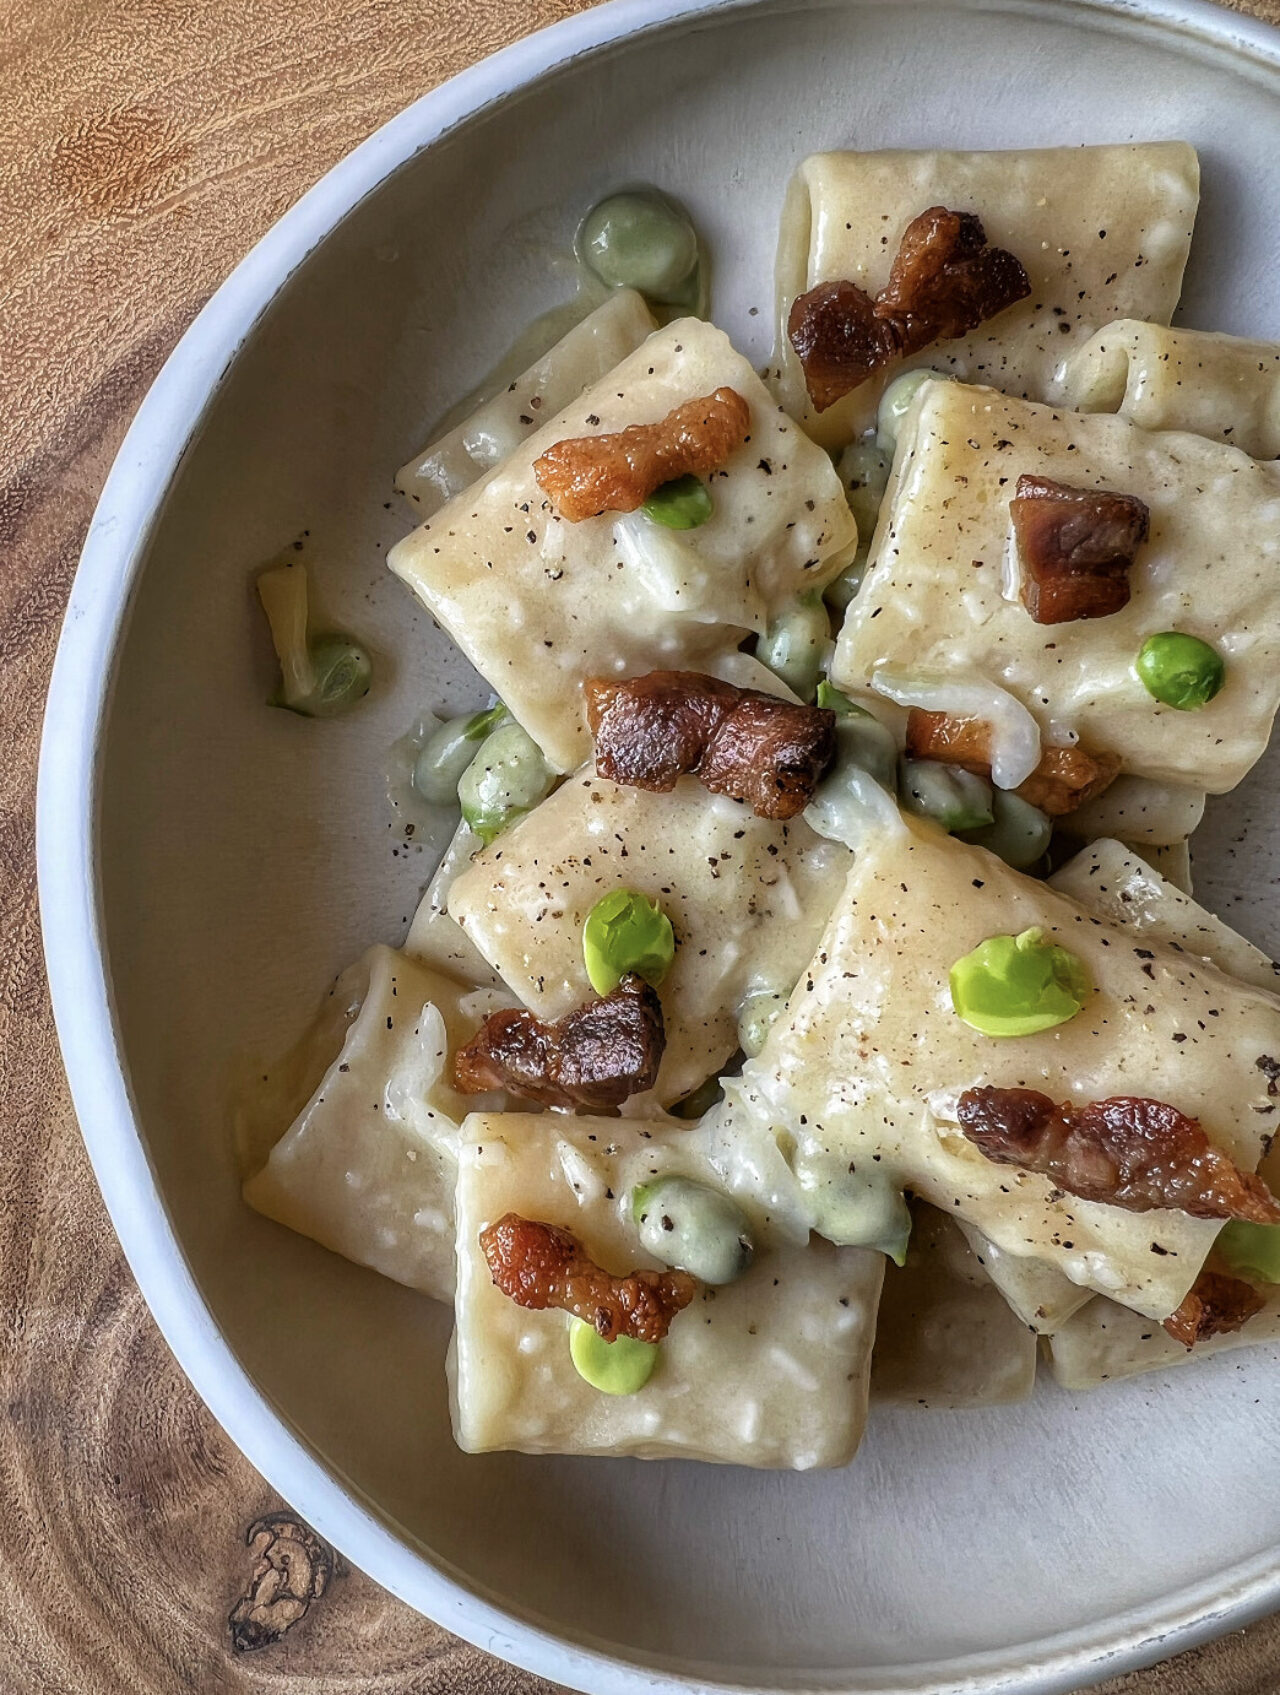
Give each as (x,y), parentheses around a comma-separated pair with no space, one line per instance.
(1065,778)
(595,1056)
(944,282)
(652,730)
(541,1265)
(839,340)
(1215,1305)
(1076,547)
(588,475)
(1128,1152)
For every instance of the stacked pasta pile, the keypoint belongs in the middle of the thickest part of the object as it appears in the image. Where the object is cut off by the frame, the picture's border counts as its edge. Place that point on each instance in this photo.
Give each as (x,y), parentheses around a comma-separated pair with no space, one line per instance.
(812,1002)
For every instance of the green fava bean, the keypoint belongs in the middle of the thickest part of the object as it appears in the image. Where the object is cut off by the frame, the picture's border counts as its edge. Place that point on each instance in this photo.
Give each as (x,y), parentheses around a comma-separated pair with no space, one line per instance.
(698,1229)
(448,751)
(864,471)
(948,794)
(857,1208)
(1180,670)
(756,1017)
(794,647)
(700,1102)
(895,403)
(1252,1248)
(343,676)
(506,778)
(620,1367)
(684,504)
(863,742)
(831,699)
(641,240)
(626,932)
(1018,985)
(1019,834)
(842,590)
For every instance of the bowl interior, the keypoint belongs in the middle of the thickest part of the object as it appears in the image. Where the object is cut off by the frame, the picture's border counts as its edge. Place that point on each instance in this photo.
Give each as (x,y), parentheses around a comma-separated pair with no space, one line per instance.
(246,855)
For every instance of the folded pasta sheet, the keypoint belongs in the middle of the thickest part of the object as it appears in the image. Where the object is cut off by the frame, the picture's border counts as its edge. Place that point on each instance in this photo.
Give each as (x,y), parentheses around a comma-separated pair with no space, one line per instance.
(493,431)
(1102,232)
(1135,809)
(1222,386)
(945,1336)
(747,898)
(439,941)
(942,594)
(768,1370)
(1112,881)
(1104,1343)
(368,1166)
(538,603)
(1038,1294)
(869,1058)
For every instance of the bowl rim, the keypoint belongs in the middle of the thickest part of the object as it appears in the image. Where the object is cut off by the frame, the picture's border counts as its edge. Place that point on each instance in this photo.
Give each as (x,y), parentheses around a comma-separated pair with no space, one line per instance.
(78,702)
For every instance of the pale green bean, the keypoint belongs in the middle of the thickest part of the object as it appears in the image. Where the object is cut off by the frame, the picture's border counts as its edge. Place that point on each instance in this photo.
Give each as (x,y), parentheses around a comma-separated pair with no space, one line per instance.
(953,797)
(1019,832)
(700,1230)
(641,240)
(507,778)
(794,647)
(448,751)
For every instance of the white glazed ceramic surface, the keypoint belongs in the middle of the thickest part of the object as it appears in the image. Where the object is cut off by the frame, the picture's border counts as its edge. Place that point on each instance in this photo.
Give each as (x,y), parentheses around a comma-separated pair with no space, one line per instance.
(206,864)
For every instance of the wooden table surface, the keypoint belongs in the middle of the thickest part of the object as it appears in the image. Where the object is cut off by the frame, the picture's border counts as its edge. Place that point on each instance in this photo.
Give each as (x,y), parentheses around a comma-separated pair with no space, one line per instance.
(144,146)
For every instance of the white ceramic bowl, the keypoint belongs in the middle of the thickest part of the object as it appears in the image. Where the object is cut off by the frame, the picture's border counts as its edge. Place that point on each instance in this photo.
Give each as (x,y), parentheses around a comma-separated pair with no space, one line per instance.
(205,865)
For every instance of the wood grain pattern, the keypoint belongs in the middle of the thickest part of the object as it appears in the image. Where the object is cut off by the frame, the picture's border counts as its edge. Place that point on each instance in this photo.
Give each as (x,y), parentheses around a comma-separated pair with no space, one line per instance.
(144,146)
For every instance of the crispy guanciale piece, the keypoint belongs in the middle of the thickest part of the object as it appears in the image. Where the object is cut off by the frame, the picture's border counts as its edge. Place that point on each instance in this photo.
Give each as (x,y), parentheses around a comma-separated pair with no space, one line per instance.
(839,340)
(654,729)
(1065,778)
(541,1265)
(595,1056)
(588,475)
(1215,1305)
(1127,1151)
(1076,546)
(944,282)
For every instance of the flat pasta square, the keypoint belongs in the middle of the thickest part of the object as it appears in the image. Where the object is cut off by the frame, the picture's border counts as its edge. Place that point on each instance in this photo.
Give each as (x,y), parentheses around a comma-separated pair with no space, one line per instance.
(1102,232)
(1223,386)
(770,1370)
(538,604)
(368,1166)
(938,599)
(869,1057)
(747,898)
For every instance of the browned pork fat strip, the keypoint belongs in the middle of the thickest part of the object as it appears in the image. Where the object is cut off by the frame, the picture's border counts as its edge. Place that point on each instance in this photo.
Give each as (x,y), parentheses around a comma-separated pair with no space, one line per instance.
(1065,778)
(1215,1305)
(540,1265)
(652,730)
(1127,1152)
(944,282)
(596,1056)
(587,475)
(1076,546)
